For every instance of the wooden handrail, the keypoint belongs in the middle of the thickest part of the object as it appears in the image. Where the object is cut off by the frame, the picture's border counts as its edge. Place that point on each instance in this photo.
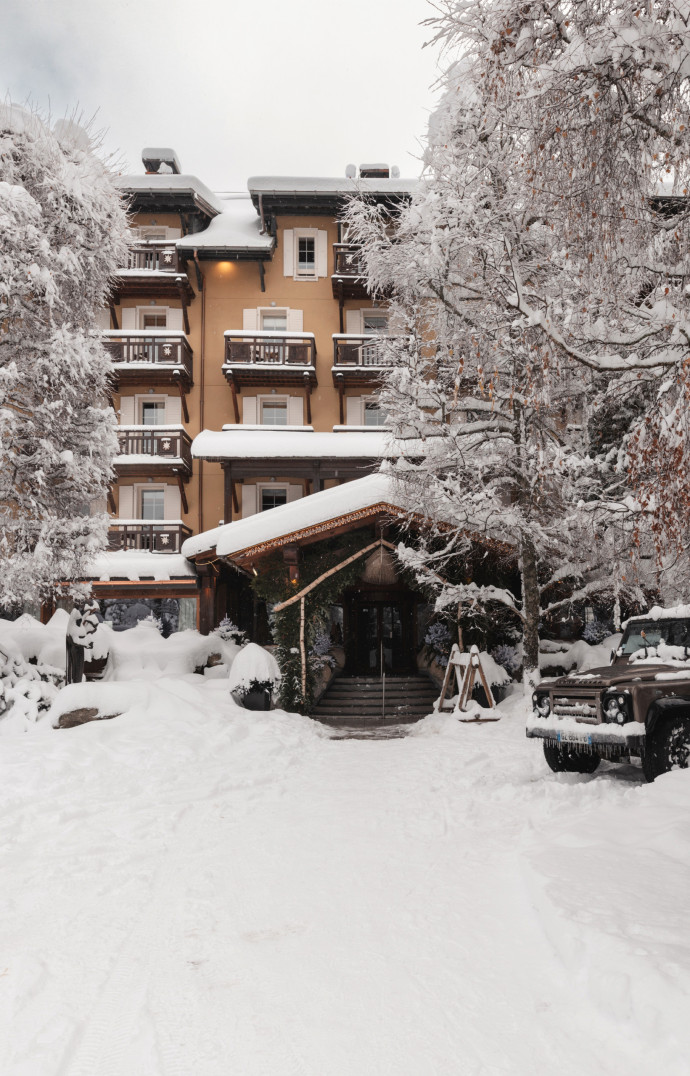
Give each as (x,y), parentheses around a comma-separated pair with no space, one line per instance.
(270,350)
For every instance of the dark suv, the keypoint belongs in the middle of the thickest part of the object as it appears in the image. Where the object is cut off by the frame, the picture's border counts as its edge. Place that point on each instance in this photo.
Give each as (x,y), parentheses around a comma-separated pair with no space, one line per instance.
(638,706)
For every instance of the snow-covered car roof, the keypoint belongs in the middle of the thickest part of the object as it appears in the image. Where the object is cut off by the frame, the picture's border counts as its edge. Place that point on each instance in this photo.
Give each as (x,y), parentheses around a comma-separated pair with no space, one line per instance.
(676,612)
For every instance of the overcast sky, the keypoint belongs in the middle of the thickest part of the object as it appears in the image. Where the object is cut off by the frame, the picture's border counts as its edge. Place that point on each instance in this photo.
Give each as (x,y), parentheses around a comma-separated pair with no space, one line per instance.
(273,87)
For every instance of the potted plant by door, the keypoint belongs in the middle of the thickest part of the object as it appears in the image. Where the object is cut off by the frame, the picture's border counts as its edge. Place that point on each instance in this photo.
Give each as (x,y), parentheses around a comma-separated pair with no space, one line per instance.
(254,676)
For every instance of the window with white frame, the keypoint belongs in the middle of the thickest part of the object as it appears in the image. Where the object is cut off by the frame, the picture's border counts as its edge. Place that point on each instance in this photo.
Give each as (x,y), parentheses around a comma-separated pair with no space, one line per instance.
(272,497)
(373,415)
(153,319)
(274,411)
(274,321)
(375,321)
(152,503)
(152,412)
(305,256)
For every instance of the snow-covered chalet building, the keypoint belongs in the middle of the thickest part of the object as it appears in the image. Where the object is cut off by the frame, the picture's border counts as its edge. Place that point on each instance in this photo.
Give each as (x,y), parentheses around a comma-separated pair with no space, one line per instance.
(245,348)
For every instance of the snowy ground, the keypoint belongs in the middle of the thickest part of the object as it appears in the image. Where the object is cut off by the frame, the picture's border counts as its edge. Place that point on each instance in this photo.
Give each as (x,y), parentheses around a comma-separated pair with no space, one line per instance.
(202,891)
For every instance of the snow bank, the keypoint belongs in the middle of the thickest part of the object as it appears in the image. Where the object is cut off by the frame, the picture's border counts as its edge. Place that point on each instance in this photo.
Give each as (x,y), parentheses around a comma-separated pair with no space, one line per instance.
(578,656)
(142,652)
(253,665)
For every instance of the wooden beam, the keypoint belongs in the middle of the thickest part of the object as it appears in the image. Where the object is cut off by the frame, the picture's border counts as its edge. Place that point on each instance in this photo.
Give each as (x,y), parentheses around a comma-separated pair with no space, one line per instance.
(262,277)
(183,395)
(302,647)
(307,386)
(235,502)
(340,305)
(183,495)
(341,398)
(185,314)
(111,500)
(113,316)
(227,493)
(300,596)
(235,404)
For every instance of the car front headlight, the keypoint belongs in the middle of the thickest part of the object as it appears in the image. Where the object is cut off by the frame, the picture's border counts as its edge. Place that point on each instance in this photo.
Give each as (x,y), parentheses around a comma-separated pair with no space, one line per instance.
(541,705)
(616,709)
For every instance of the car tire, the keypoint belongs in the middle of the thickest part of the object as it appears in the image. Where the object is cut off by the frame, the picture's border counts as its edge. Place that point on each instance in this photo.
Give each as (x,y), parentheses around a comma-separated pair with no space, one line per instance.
(667,747)
(563,759)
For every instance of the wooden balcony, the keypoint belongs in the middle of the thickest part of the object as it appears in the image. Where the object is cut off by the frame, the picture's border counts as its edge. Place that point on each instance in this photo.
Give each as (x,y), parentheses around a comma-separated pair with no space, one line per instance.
(151,357)
(154,451)
(270,358)
(358,359)
(153,269)
(158,537)
(348,272)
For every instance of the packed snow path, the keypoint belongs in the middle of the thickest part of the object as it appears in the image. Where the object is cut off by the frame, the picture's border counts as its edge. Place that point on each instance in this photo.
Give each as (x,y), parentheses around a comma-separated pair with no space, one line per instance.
(200,890)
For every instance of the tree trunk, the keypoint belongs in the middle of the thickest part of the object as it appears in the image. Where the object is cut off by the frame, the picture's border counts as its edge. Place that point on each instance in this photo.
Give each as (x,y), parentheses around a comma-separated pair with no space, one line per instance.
(530,609)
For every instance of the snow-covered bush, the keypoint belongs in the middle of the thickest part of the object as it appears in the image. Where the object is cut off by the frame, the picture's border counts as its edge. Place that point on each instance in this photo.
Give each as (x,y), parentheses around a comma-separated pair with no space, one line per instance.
(229,632)
(254,669)
(438,640)
(26,690)
(510,657)
(596,631)
(62,236)
(319,652)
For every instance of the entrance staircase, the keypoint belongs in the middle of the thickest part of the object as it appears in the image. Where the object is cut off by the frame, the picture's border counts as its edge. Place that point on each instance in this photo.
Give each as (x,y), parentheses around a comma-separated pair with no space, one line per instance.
(359,701)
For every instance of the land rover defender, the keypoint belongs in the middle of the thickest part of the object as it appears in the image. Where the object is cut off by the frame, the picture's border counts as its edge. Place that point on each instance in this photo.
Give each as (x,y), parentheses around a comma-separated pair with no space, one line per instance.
(638,706)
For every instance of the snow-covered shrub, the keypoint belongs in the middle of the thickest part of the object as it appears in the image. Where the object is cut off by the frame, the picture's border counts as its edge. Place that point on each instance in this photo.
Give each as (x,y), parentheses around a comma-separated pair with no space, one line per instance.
(438,640)
(254,669)
(229,632)
(26,690)
(596,631)
(509,657)
(319,652)
(154,621)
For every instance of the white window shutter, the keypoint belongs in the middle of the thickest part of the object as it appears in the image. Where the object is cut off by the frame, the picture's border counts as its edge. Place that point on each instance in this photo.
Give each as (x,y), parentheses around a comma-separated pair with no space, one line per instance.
(295,321)
(249,411)
(250,320)
(174,319)
(294,492)
(173,506)
(288,252)
(295,415)
(127,413)
(322,253)
(173,409)
(129,317)
(249,500)
(127,502)
(353,322)
(354,414)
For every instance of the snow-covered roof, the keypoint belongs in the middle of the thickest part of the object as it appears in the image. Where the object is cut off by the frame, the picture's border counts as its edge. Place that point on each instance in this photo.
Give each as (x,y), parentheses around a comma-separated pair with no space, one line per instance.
(138,564)
(233,442)
(293,519)
(166,183)
(235,229)
(329,185)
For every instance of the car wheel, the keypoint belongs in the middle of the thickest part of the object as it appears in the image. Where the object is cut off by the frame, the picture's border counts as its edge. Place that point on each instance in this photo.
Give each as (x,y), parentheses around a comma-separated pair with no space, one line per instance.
(564,759)
(667,747)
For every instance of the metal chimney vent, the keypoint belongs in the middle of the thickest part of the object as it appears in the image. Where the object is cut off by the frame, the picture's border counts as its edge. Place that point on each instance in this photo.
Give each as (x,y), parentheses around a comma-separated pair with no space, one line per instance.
(163,160)
(374,171)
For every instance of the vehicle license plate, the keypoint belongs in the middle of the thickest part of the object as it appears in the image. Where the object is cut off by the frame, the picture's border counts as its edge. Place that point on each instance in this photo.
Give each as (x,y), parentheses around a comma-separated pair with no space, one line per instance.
(574,737)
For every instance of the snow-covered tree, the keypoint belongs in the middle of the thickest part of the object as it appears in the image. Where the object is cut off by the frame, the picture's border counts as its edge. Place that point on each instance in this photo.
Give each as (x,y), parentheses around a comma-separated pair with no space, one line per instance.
(539,278)
(62,235)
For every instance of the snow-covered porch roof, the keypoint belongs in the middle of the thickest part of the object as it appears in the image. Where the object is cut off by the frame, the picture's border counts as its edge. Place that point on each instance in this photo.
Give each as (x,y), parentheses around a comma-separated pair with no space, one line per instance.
(309,519)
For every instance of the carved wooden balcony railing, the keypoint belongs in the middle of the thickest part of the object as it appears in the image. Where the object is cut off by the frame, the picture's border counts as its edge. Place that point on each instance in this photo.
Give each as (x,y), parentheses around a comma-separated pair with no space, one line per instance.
(269,358)
(169,448)
(158,537)
(347,260)
(151,355)
(359,351)
(153,256)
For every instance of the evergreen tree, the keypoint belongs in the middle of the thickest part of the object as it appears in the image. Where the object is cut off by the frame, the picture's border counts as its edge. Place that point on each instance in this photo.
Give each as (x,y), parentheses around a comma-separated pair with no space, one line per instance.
(62,236)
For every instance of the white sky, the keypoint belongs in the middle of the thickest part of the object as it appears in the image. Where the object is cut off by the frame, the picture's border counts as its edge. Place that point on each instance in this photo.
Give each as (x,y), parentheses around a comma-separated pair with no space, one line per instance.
(277,87)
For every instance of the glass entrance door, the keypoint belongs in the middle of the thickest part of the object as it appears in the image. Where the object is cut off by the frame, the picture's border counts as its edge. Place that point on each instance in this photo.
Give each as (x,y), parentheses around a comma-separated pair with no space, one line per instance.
(383,638)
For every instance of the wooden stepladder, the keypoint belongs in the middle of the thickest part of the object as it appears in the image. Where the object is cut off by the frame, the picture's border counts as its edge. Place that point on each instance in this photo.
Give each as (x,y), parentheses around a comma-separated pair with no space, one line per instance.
(463,669)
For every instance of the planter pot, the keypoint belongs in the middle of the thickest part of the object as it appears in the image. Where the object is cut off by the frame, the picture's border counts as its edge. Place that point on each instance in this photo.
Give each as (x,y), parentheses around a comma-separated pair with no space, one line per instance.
(257,699)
